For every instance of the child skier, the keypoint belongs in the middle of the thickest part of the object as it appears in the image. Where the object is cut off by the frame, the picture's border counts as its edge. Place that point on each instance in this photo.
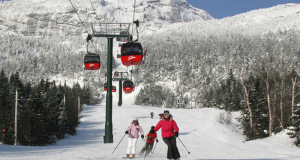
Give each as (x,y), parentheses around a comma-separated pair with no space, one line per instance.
(150,136)
(133,134)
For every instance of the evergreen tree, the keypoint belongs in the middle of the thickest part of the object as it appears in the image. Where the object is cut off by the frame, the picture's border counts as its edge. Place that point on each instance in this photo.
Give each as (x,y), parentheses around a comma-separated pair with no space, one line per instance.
(260,113)
(5,107)
(37,120)
(24,110)
(295,128)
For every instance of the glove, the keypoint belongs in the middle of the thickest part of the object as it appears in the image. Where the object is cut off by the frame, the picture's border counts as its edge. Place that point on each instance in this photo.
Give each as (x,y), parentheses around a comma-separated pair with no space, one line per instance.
(142,136)
(126,132)
(156,140)
(176,134)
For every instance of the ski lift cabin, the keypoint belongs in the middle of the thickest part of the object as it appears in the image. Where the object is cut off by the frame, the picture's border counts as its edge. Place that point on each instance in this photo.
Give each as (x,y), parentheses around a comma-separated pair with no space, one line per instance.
(92,61)
(105,86)
(131,53)
(114,88)
(128,86)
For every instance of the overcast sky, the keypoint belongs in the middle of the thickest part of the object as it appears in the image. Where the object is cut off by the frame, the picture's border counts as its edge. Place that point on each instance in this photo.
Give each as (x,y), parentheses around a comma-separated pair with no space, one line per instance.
(227,8)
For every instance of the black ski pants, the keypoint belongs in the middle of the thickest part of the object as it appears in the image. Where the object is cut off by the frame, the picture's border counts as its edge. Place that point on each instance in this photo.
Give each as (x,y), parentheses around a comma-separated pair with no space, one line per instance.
(147,148)
(172,148)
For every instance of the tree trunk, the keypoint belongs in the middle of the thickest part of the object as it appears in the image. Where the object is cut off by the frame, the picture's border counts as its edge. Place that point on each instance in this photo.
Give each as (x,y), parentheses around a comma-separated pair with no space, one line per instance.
(293,96)
(281,102)
(248,104)
(270,108)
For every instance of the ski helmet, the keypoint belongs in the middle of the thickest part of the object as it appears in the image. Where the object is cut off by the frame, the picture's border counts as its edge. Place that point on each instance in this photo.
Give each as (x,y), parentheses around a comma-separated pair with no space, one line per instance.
(135,119)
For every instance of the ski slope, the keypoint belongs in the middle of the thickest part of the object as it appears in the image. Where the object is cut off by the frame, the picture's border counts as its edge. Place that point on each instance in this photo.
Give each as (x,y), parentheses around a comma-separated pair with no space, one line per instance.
(199,130)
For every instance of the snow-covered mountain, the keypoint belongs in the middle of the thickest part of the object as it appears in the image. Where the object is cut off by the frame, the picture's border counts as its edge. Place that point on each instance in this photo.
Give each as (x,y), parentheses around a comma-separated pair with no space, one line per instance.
(257,22)
(47,18)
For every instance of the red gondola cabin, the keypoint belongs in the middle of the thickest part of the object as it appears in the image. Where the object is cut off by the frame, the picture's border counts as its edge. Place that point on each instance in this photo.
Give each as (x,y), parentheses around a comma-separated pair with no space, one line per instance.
(105,86)
(114,88)
(128,86)
(92,61)
(131,53)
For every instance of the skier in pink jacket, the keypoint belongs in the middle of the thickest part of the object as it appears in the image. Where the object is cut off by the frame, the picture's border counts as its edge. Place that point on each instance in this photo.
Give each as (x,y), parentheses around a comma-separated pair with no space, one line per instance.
(133,134)
(169,130)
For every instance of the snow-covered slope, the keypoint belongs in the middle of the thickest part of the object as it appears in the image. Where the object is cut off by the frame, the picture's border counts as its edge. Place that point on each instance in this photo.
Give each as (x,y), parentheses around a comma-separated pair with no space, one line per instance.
(199,131)
(280,17)
(276,19)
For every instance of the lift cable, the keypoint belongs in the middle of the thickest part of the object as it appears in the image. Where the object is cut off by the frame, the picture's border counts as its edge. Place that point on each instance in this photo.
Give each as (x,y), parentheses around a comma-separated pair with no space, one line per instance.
(133,17)
(79,16)
(89,35)
(94,10)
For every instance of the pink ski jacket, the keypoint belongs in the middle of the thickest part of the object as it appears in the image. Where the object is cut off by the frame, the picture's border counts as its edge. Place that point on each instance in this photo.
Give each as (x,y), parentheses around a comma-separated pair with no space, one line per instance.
(134,131)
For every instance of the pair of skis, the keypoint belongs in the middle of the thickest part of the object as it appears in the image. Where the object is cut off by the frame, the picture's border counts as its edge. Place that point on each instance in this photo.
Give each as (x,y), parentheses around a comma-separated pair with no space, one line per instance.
(145,153)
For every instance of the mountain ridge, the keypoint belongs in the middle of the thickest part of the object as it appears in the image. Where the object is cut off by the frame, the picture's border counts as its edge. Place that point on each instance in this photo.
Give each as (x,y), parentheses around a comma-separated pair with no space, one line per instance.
(39,16)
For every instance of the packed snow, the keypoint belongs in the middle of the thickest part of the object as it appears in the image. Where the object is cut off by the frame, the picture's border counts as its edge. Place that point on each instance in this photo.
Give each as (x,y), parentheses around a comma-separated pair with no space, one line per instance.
(199,131)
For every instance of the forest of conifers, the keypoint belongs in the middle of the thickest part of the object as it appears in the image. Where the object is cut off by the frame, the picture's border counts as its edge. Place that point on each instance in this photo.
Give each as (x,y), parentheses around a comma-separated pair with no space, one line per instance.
(46,112)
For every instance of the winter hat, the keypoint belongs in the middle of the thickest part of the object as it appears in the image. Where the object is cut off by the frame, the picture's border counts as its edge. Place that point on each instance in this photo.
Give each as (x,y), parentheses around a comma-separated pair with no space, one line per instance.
(135,119)
(152,127)
(166,113)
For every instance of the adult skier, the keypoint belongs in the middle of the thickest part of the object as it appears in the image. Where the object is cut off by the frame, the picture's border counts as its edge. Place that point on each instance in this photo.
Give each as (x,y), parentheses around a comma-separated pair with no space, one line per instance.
(169,131)
(133,134)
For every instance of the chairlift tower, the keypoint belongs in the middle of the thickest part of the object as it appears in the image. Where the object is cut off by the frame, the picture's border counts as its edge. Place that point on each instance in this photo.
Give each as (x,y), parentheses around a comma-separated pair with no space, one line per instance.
(120,79)
(109,30)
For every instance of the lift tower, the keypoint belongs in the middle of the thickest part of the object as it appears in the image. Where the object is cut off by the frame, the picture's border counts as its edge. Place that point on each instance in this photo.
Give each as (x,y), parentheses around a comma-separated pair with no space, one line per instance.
(120,79)
(109,30)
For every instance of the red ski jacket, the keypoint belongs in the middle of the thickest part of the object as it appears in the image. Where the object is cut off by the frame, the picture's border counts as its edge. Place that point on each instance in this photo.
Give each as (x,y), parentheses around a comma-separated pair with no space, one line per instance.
(168,127)
(151,137)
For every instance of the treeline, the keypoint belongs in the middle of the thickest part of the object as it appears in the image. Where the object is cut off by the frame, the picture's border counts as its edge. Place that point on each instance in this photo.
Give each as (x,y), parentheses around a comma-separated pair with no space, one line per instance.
(46,112)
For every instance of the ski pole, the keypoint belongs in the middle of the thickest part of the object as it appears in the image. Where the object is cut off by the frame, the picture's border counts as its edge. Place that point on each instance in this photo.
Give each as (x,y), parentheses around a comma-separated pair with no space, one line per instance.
(154,147)
(145,154)
(183,145)
(119,143)
(144,140)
